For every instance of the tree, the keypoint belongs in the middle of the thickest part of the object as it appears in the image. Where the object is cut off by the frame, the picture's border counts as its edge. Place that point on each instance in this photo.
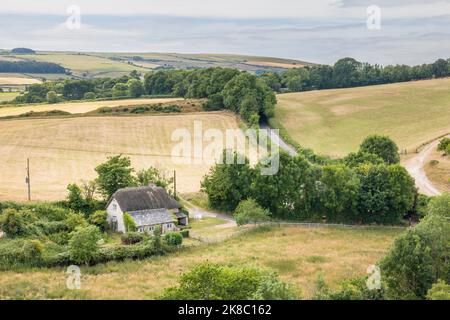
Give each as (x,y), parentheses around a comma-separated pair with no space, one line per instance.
(345,73)
(99,219)
(381,146)
(173,238)
(227,184)
(338,193)
(440,205)
(443,144)
(386,193)
(354,160)
(214,282)
(152,175)
(135,88)
(418,259)
(89,96)
(249,211)
(52,97)
(120,90)
(83,244)
(291,192)
(114,174)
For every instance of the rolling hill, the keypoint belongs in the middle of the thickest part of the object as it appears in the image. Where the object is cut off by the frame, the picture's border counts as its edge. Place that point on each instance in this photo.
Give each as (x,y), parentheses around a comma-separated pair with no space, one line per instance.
(334,122)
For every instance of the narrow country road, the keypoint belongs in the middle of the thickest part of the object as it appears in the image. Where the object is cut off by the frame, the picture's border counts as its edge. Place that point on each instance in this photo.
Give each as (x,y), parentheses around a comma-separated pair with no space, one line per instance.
(415,168)
(276,139)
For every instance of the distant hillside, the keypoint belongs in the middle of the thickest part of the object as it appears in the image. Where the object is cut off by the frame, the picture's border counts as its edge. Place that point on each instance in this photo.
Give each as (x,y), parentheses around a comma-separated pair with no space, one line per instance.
(22,51)
(88,65)
(334,122)
(30,67)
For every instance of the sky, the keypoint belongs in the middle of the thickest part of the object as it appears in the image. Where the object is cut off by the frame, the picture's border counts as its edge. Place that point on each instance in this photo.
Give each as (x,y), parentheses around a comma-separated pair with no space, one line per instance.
(320,31)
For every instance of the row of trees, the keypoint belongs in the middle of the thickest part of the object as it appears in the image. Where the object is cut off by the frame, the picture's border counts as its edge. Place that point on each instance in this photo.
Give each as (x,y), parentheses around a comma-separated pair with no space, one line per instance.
(241,92)
(101,88)
(230,89)
(30,67)
(366,187)
(349,72)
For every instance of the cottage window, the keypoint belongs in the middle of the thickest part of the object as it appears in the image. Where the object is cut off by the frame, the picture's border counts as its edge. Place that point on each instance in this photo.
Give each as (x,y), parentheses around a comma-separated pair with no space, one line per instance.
(114,207)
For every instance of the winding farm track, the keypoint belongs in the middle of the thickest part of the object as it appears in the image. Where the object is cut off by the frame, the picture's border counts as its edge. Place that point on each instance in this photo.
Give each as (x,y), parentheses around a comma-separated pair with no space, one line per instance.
(415,168)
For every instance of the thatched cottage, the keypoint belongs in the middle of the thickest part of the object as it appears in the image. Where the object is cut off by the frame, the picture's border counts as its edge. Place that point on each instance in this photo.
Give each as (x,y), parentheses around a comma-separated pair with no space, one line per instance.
(149,207)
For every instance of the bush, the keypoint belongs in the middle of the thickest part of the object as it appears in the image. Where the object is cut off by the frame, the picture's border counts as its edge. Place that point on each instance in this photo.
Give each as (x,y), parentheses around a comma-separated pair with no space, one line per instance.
(354,289)
(440,205)
(32,251)
(214,282)
(443,145)
(131,238)
(184,233)
(83,244)
(381,146)
(75,220)
(100,219)
(418,259)
(439,291)
(248,211)
(173,238)
(130,225)
(17,223)
(89,96)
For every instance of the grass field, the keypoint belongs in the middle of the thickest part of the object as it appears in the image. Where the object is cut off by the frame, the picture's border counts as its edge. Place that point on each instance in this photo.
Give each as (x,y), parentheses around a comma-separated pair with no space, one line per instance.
(298,255)
(439,173)
(67,150)
(334,122)
(8,96)
(80,107)
(81,63)
(17,80)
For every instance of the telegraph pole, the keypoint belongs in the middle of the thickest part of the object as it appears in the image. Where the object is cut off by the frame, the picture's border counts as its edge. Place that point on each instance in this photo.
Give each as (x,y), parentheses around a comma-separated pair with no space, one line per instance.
(175,183)
(28,179)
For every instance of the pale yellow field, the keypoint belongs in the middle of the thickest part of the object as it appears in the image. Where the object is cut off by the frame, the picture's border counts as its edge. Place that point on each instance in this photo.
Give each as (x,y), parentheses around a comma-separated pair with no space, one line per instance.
(67,150)
(298,255)
(439,173)
(80,107)
(15,81)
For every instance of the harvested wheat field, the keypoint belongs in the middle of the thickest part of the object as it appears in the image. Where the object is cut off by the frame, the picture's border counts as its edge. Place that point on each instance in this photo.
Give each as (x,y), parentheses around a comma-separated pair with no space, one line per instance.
(334,122)
(437,169)
(80,107)
(17,81)
(67,150)
(298,255)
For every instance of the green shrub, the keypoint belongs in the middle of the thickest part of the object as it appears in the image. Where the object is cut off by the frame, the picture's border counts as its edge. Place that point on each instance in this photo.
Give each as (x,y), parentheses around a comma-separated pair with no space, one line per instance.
(60,238)
(248,211)
(443,145)
(130,225)
(130,238)
(32,251)
(83,244)
(184,233)
(75,220)
(89,96)
(214,282)
(440,205)
(100,219)
(17,223)
(173,238)
(439,291)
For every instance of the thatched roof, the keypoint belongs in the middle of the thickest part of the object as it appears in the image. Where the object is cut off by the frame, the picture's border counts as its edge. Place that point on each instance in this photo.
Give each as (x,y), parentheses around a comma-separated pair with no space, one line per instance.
(151,217)
(144,198)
